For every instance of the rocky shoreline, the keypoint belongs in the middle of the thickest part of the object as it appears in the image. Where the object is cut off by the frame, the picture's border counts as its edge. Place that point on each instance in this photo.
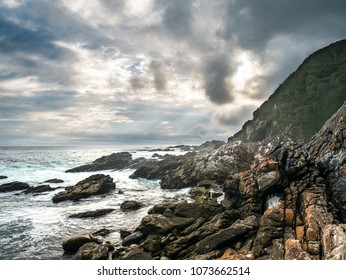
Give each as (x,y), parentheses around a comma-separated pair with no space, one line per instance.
(274,199)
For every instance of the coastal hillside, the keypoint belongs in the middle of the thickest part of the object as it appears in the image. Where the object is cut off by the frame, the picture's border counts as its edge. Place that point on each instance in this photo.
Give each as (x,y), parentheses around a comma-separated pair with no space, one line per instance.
(304,101)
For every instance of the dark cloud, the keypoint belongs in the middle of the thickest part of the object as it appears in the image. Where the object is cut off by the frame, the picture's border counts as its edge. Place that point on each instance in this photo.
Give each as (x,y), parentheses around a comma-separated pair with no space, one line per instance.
(136,83)
(252,24)
(177,18)
(159,75)
(216,71)
(19,39)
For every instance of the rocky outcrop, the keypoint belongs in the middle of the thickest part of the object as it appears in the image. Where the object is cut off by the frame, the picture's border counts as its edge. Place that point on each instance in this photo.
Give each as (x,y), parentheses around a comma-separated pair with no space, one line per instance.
(14,186)
(283,201)
(94,185)
(114,161)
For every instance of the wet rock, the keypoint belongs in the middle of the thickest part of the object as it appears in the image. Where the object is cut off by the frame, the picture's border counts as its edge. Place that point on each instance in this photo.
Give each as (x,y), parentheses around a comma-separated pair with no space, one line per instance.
(14,186)
(39,189)
(3,177)
(131,205)
(72,244)
(132,238)
(94,185)
(92,251)
(124,233)
(102,232)
(92,214)
(54,181)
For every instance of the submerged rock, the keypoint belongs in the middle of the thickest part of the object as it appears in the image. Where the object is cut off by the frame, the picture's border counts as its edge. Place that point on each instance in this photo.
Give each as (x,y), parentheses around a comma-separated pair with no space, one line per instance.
(54,181)
(94,185)
(3,177)
(92,214)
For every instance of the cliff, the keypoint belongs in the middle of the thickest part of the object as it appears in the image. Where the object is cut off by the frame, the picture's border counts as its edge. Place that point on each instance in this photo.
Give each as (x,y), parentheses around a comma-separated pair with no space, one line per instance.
(304,101)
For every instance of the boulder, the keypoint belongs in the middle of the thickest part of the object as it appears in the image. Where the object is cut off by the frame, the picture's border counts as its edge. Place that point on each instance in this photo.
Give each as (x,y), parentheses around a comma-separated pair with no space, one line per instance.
(131,205)
(94,185)
(14,186)
(92,251)
(132,238)
(92,214)
(72,244)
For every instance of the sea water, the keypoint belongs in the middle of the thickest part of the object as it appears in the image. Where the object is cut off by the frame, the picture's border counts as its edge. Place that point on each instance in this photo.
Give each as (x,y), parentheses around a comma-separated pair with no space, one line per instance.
(33,227)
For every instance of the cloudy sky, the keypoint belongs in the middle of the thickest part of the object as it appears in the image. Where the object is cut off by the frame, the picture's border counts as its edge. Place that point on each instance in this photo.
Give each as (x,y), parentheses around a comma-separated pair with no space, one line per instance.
(149,71)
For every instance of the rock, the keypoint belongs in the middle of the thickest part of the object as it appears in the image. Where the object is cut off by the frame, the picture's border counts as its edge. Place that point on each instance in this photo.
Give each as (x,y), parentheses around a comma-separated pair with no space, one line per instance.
(54,181)
(39,189)
(231,254)
(72,244)
(92,214)
(216,165)
(124,233)
(94,185)
(239,228)
(334,242)
(132,238)
(102,232)
(131,205)
(294,251)
(268,180)
(115,161)
(157,223)
(137,254)
(92,251)
(3,177)
(14,186)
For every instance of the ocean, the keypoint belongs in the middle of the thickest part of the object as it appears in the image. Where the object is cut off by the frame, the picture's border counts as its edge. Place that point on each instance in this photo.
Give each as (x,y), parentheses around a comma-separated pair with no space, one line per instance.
(33,227)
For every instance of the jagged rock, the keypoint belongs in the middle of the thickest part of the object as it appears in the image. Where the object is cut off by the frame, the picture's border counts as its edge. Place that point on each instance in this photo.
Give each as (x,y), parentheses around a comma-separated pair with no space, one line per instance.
(39,189)
(92,214)
(268,180)
(92,251)
(239,228)
(294,251)
(94,185)
(131,205)
(54,181)
(231,254)
(14,186)
(158,169)
(334,242)
(72,244)
(3,177)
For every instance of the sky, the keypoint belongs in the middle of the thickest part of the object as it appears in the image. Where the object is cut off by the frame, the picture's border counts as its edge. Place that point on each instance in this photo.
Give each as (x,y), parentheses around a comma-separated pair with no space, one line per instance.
(149,71)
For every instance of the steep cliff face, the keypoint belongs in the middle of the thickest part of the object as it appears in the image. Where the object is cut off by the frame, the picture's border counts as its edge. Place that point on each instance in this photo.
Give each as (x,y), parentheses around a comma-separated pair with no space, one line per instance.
(304,101)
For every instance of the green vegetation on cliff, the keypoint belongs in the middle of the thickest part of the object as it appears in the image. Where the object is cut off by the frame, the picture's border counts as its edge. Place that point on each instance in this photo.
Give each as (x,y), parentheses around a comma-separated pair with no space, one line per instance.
(304,101)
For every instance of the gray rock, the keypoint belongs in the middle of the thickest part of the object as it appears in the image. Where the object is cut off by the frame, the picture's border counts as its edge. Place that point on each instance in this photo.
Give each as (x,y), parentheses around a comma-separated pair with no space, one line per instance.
(131,205)
(268,180)
(92,251)
(72,244)
(132,238)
